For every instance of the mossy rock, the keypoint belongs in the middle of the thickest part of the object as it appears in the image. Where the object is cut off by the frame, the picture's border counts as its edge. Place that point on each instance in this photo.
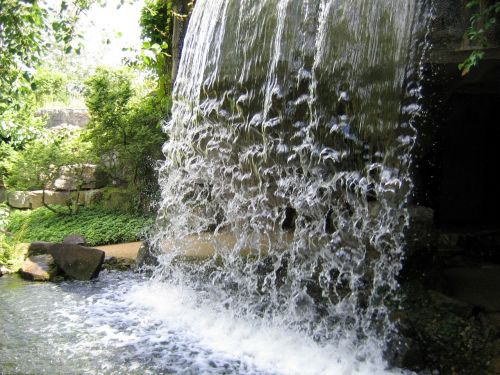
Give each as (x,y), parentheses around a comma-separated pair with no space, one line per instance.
(440,333)
(119,199)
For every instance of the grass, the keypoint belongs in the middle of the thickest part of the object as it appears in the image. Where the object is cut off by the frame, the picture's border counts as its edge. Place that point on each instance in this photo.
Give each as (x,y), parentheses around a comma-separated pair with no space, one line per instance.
(97,225)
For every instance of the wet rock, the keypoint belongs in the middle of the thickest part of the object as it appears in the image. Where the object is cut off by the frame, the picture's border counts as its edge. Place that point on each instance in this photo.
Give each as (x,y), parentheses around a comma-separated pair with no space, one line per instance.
(118,264)
(439,333)
(77,262)
(75,239)
(475,285)
(421,232)
(39,268)
(451,305)
(38,248)
(146,256)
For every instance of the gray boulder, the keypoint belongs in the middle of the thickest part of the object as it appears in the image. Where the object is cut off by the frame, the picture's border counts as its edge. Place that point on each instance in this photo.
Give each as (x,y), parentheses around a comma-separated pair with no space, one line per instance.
(39,248)
(77,262)
(86,175)
(146,256)
(19,199)
(39,268)
(75,239)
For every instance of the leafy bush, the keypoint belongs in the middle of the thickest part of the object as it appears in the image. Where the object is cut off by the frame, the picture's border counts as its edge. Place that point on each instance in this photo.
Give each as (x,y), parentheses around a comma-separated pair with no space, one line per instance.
(12,253)
(42,159)
(98,226)
(125,128)
(51,86)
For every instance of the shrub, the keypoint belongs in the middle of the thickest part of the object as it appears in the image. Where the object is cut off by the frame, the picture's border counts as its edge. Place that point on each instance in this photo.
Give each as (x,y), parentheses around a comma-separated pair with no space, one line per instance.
(97,225)
(125,129)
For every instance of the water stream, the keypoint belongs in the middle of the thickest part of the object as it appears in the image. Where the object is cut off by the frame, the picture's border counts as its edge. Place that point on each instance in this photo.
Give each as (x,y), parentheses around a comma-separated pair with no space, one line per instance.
(291,134)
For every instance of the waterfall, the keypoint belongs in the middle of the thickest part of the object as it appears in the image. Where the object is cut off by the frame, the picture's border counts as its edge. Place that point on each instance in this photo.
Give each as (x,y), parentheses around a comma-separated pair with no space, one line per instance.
(288,153)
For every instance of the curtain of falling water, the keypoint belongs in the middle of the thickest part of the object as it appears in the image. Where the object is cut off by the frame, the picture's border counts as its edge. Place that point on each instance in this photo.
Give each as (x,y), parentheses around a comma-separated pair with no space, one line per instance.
(288,132)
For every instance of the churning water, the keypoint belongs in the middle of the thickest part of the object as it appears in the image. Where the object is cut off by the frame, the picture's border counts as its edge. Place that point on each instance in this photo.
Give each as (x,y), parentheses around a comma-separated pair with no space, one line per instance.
(290,135)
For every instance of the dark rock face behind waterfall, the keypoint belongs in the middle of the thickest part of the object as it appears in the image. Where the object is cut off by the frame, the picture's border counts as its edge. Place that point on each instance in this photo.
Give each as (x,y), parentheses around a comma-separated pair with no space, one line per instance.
(296,116)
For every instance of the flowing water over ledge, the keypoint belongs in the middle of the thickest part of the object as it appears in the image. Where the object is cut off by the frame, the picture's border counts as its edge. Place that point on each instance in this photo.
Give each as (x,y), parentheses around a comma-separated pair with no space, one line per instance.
(125,324)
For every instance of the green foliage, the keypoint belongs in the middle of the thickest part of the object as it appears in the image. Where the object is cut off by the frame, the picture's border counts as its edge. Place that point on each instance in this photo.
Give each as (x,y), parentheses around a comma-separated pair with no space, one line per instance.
(157,25)
(28,30)
(41,160)
(125,127)
(481,22)
(12,252)
(18,128)
(156,50)
(23,24)
(50,86)
(98,226)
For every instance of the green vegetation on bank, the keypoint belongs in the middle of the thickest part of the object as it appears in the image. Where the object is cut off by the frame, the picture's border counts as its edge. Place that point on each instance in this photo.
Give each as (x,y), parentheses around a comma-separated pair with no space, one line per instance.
(97,225)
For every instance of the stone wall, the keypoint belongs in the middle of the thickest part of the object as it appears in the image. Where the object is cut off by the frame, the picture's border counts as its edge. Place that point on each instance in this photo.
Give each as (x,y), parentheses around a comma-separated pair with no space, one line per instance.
(34,199)
(57,117)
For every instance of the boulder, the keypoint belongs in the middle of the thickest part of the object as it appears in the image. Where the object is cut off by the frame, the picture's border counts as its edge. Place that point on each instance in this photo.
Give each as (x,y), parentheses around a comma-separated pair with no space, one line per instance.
(57,197)
(19,199)
(77,262)
(58,117)
(146,257)
(35,199)
(118,264)
(90,197)
(75,239)
(39,268)
(475,285)
(71,176)
(38,248)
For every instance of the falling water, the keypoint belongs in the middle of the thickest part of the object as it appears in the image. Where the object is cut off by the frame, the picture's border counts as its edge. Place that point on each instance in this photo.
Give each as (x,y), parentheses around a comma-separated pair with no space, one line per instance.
(288,154)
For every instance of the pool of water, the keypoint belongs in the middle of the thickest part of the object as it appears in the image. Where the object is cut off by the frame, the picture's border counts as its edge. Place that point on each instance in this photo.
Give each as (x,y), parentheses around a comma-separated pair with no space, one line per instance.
(124,323)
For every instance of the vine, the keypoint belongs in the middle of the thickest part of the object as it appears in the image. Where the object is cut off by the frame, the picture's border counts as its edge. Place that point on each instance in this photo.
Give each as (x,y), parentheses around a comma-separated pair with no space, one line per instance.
(480,23)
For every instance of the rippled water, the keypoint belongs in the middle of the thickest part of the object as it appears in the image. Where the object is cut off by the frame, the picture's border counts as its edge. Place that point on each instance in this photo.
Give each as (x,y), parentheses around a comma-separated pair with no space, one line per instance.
(125,324)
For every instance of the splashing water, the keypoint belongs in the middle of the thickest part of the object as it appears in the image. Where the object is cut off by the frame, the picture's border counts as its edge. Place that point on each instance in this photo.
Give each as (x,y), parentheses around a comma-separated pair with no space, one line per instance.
(291,132)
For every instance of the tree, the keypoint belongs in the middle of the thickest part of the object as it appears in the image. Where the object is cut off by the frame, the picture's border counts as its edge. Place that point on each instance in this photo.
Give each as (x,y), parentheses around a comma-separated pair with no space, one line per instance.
(28,29)
(164,24)
(125,128)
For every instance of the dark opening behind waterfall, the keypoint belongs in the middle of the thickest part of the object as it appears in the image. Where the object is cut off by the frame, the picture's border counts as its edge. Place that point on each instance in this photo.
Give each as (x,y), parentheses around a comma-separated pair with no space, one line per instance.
(289,156)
